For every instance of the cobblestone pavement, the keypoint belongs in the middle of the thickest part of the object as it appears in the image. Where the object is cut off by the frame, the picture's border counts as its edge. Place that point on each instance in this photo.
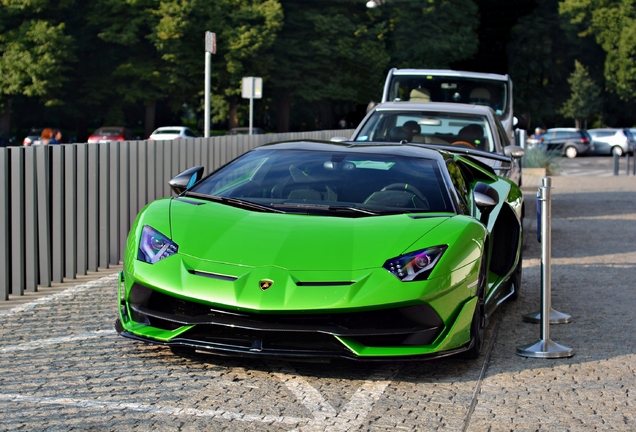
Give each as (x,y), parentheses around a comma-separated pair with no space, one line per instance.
(64,367)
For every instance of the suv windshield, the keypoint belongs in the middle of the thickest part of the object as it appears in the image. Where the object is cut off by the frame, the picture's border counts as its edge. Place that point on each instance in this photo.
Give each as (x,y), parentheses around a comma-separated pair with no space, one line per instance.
(428,127)
(430,88)
(345,183)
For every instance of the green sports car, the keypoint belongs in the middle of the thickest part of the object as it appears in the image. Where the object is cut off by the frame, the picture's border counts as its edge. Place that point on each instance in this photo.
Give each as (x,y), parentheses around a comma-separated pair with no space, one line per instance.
(319,250)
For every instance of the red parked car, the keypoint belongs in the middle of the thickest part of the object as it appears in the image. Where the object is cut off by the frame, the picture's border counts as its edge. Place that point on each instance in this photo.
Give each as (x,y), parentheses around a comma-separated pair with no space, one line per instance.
(111,133)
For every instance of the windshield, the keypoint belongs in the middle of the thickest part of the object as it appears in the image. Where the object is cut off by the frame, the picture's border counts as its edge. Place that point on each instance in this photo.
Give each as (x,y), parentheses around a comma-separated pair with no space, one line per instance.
(311,181)
(430,88)
(428,127)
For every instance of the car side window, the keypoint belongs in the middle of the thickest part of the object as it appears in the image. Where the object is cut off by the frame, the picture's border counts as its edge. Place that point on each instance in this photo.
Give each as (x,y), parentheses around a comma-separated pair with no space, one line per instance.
(503,137)
(460,184)
(560,135)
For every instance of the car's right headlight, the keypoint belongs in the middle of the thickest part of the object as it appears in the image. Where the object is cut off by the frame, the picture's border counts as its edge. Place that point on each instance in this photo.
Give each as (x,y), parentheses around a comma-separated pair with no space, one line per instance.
(154,246)
(416,265)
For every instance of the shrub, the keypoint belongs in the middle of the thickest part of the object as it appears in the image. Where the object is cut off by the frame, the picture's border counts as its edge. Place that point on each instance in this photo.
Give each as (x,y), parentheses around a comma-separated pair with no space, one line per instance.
(537,157)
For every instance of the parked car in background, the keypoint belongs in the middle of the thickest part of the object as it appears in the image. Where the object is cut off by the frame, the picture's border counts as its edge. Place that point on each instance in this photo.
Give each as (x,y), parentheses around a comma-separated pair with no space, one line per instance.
(33,137)
(569,142)
(111,133)
(469,129)
(609,141)
(171,133)
(245,131)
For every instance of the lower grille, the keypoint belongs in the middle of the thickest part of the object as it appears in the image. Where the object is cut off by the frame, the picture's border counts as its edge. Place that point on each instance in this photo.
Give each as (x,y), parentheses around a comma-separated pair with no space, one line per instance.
(403,326)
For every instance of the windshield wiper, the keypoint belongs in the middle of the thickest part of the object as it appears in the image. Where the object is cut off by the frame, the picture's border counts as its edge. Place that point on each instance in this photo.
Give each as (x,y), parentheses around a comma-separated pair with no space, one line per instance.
(354,209)
(236,202)
(328,208)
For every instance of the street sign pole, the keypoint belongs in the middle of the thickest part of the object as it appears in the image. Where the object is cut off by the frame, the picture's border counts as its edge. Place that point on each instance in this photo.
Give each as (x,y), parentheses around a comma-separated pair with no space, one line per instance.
(206,118)
(252,107)
(210,48)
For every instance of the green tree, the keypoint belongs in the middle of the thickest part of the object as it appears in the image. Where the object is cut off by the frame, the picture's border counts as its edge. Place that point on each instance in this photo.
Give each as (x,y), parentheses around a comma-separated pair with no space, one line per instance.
(584,98)
(326,52)
(613,24)
(244,30)
(432,34)
(34,57)
(542,50)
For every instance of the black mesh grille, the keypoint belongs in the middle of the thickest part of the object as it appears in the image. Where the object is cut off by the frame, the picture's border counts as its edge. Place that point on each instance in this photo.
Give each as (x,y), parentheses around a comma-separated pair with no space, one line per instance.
(409,325)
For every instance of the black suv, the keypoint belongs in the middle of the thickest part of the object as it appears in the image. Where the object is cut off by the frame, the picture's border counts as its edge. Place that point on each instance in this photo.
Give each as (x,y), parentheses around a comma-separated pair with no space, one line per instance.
(570,142)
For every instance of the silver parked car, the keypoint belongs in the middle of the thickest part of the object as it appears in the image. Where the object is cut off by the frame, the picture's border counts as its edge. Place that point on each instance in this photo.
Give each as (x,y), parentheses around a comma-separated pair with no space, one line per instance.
(608,141)
(471,129)
(569,142)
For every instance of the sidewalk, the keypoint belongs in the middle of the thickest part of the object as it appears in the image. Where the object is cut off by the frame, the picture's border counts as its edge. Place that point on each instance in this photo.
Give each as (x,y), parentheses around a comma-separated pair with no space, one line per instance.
(593,273)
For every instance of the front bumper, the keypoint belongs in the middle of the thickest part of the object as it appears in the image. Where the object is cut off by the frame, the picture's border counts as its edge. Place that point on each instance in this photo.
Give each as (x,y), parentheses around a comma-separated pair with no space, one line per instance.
(407,332)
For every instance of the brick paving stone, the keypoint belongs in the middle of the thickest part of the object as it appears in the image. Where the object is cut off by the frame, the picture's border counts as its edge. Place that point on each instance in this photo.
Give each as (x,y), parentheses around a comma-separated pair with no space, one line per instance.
(64,368)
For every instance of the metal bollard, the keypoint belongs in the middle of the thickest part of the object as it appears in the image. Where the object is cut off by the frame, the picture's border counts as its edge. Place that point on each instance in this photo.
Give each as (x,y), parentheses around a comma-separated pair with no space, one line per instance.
(616,164)
(556,317)
(545,347)
(627,160)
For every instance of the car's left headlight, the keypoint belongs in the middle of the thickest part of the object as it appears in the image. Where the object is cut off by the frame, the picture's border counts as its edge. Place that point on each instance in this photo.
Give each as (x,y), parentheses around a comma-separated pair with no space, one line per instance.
(154,246)
(415,266)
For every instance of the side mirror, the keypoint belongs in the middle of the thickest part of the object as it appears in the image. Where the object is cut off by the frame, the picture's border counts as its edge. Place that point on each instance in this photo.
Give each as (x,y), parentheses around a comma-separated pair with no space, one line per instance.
(339,139)
(486,199)
(185,180)
(514,151)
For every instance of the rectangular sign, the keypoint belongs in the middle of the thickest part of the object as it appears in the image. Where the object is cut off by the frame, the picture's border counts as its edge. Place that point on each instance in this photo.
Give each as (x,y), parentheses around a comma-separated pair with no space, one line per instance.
(210,42)
(249,91)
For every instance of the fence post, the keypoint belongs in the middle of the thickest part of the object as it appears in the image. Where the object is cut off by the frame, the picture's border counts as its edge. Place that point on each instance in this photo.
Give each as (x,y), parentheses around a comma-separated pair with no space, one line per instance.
(545,347)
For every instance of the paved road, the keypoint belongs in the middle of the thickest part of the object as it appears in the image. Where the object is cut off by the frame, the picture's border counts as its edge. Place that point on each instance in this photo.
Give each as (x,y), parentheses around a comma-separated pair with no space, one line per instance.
(64,368)
(596,166)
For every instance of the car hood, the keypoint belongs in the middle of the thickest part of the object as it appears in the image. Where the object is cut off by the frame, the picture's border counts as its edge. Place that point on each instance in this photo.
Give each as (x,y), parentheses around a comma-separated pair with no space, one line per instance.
(220,233)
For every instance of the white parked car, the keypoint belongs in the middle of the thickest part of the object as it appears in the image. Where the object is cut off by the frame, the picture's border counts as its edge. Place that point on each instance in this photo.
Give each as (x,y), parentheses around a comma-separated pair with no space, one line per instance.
(171,133)
(609,141)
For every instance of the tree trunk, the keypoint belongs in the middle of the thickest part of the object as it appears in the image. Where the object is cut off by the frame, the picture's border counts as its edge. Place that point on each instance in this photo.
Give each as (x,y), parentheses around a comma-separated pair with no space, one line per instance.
(5,117)
(232,121)
(151,112)
(283,106)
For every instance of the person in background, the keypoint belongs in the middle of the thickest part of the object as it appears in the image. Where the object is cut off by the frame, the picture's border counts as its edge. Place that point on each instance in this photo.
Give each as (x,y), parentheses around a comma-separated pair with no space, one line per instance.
(537,135)
(45,136)
(57,137)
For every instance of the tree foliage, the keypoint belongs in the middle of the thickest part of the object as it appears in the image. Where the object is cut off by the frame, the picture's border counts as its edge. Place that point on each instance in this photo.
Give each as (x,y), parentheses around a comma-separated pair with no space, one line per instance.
(584,96)
(140,63)
(613,24)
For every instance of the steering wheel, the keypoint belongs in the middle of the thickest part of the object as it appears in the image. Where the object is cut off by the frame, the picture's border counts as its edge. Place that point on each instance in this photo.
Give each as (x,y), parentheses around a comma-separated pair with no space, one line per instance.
(463,143)
(406,187)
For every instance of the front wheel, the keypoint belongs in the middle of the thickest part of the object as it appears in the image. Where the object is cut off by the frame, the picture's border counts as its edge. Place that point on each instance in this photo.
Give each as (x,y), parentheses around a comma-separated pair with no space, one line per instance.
(571,152)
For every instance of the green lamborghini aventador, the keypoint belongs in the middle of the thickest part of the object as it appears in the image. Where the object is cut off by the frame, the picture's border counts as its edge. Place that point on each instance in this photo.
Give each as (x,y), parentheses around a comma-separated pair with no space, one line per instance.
(315,250)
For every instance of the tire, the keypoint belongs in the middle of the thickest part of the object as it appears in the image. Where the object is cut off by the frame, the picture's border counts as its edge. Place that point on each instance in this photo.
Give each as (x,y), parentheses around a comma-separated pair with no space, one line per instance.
(571,152)
(617,150)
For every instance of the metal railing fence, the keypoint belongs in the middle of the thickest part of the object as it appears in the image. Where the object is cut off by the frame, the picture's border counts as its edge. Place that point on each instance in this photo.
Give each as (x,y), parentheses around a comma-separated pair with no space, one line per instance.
(66,209)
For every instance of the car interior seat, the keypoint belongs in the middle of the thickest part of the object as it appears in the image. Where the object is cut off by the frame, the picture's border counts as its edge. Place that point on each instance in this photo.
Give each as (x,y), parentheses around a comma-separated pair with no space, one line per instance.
(473,135)
(398,133)
(480,96)
(420,95)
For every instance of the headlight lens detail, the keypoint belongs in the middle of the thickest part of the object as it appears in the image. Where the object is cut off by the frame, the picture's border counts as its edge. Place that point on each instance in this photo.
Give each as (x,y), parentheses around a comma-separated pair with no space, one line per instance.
(154,246)
(416,265)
